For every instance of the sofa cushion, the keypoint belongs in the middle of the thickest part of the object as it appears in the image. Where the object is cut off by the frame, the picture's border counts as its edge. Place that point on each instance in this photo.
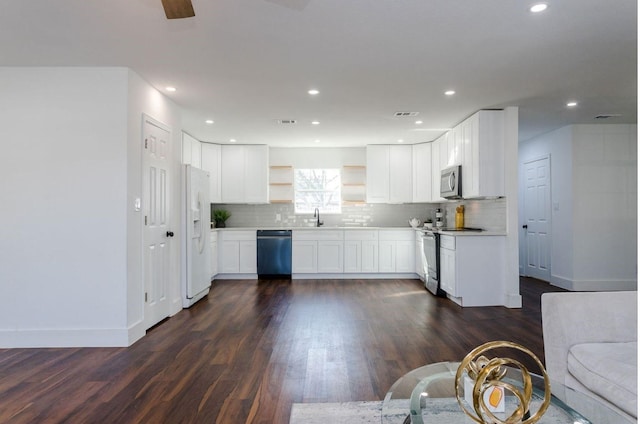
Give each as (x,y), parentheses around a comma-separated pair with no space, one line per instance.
(608,370)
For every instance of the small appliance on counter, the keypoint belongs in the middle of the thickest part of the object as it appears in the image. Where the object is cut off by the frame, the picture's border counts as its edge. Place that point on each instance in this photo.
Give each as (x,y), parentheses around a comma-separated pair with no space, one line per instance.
(439,221)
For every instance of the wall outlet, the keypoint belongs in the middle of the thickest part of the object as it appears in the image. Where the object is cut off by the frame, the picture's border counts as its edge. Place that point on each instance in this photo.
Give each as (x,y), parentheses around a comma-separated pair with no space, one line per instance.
(278,217)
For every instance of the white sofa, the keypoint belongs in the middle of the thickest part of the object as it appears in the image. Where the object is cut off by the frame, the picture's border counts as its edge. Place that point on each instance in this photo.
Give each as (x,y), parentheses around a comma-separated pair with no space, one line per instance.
(590,345)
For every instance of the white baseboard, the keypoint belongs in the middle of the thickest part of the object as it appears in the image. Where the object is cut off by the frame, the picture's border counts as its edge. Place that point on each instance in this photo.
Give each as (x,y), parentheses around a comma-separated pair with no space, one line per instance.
(86,337)
(594,285)
(355,276)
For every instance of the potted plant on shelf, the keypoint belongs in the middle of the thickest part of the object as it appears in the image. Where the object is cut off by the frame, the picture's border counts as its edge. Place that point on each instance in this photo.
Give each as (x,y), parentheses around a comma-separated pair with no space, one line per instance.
(220,216)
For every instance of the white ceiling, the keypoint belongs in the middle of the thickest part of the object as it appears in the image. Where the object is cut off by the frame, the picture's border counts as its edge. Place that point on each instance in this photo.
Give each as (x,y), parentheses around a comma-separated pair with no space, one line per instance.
(247,63)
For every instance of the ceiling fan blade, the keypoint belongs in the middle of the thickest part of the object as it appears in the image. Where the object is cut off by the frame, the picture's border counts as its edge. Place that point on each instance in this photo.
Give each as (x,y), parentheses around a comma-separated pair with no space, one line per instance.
(178,9)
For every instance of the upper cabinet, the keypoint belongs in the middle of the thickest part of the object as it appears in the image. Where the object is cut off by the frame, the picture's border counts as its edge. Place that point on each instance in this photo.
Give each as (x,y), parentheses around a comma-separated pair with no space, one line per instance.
(482,137)
(191,151)
(390,176)
(212,163)
(245,174)
(422,175)
(436,166)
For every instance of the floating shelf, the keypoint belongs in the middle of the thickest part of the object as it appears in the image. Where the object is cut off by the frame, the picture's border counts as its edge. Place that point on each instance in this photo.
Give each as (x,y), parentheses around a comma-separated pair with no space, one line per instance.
(354,189)
(280,201)
(281,184)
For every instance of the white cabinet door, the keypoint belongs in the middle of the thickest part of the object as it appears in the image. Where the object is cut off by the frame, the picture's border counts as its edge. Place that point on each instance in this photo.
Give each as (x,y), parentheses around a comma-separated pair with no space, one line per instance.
(369,256)
(483,154)
(256,179)
(245,174)
(448,271)
(214,253)
(232,174)
(212,162)
(230,257)
(352,256)
(377,174)
(387,256)
(304,256)
(405,256)
(330,256)
(422,174)
(435,170)
(400,174)
(418,258)
(191,151)
(248,259)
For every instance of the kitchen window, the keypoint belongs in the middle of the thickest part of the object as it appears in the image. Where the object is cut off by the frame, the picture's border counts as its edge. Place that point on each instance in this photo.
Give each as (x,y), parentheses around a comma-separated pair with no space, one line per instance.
(317,188)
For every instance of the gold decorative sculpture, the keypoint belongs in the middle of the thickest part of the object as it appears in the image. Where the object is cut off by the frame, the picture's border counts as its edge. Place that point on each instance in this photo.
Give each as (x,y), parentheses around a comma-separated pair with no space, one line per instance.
(488,385)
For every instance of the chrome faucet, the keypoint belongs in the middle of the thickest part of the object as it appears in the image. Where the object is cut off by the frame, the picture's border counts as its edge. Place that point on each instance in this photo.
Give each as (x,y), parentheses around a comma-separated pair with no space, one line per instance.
(316,214)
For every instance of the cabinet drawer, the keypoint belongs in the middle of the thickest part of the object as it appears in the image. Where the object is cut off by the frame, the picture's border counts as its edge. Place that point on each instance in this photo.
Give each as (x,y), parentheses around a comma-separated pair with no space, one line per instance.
(363,235)
(448,242)
(238,235)
(318,235)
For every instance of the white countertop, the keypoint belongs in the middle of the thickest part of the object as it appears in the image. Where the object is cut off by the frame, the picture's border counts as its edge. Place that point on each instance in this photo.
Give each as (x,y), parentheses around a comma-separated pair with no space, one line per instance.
(323,228)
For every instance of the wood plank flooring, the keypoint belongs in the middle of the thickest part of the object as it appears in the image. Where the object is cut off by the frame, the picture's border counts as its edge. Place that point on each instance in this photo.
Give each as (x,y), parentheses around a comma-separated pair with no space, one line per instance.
(250,349)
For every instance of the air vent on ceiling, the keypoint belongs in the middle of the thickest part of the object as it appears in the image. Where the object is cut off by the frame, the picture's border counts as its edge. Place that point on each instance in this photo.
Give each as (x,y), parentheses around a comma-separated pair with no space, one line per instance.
(285,121)
(607,116)
(405,114)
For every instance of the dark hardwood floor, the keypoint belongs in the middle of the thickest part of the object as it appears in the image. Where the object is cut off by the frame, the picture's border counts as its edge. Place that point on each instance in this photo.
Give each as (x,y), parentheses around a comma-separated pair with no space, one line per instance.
(251,349)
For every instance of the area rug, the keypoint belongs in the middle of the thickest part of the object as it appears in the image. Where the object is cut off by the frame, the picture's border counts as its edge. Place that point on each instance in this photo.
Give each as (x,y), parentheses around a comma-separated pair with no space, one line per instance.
(339,413)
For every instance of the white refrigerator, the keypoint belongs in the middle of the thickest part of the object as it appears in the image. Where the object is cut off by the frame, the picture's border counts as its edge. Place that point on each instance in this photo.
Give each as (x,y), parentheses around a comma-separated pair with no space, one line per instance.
(197,248)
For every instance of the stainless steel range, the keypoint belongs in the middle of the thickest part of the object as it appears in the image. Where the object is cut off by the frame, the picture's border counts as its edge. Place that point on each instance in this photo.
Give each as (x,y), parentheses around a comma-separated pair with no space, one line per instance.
(431,262)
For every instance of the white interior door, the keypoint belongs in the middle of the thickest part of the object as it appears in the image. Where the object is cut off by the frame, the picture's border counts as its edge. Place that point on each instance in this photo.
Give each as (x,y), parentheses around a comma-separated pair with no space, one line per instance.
(156,234)
(537,213)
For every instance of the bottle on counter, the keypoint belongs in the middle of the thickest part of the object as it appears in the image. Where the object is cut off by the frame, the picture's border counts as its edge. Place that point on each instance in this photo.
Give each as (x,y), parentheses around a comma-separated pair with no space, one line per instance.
(460,216)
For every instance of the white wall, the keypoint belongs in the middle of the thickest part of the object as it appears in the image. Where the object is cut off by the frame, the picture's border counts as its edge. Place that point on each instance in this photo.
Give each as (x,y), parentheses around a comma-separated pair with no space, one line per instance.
(310,157)
(70,253)
(64,178)
(593,198)
(144,99)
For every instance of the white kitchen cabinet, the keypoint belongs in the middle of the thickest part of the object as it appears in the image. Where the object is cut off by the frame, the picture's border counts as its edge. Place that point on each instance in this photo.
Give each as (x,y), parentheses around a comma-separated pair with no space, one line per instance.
(318,251)
(191,151)
(396,251)
(330,256)
(237,253)
(360,251)
(471,269)
(390,174)
(436,168)
(454,153)
(213,239)
(482,137)
(422,174)
(212,163)
(448,281)
(244,174)
(418,255)
(304,256)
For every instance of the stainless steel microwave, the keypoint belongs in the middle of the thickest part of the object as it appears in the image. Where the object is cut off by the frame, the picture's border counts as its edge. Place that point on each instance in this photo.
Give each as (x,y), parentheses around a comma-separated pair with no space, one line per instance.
(451,182)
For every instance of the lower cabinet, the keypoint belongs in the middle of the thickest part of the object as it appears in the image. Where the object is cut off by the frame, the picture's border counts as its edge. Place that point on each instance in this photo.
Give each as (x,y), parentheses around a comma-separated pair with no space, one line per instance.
(237,253)
(396,251)
(214,253)
(317,251)
(471,269)
(360,251)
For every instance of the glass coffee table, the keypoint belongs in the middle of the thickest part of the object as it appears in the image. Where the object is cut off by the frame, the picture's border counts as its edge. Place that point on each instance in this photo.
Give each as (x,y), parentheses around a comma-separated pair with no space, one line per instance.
(427,395)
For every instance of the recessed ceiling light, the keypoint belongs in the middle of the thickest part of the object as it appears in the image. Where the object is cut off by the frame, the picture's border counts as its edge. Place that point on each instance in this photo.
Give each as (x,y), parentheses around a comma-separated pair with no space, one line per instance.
(233,140)
(538,7)
(418,122)
(172,89)
(401,141)
(313,92)
(572,104)
(316,141)
(315,122)
(209,121)
(449,93)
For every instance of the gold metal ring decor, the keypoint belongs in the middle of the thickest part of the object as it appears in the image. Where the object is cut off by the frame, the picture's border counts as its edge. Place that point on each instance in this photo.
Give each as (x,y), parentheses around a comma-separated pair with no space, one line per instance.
(487,378)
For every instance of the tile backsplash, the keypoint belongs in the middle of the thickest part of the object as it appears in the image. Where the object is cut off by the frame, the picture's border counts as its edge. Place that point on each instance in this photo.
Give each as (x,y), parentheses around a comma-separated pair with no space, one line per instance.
(486,214)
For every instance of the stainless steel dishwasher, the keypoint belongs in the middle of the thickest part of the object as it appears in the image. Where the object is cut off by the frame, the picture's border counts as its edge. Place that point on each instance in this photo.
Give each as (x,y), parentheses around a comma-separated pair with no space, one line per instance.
(274,253)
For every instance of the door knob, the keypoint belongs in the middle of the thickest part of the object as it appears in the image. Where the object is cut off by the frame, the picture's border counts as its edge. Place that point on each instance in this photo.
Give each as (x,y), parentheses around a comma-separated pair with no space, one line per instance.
(169,233)
(525,226)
